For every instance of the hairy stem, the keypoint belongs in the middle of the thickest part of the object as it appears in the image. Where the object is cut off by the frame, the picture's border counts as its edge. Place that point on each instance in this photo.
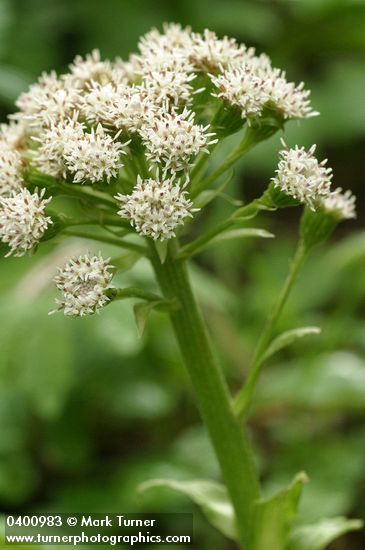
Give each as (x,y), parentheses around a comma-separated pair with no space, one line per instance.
(228,438)
(244,397)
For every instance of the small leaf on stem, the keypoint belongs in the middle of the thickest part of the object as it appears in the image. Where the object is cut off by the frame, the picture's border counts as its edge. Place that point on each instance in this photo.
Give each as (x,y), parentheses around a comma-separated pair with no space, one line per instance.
(287,338)
(142,312)
(161,247)
(273,516)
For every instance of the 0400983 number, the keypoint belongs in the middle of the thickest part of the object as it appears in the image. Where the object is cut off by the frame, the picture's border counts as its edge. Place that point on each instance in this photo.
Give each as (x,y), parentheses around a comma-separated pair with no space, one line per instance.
(34,521)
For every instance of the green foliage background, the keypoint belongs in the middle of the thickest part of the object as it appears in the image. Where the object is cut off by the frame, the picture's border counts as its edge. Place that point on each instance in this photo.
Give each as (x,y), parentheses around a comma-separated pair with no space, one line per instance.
(88,410)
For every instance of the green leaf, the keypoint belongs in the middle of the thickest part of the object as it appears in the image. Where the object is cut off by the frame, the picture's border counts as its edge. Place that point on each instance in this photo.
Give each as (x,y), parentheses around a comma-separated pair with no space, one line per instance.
(210,496)
(205,197)
(161,247)
(273,516)
(317,536)
(287,338)
(142,312)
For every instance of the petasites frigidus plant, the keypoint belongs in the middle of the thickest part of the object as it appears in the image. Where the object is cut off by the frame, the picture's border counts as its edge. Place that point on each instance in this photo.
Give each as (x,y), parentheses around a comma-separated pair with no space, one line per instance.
(129,143)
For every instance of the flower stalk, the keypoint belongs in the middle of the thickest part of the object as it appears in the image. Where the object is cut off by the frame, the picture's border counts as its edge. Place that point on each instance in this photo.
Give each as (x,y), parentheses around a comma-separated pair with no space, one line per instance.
(244,398)
(228,437)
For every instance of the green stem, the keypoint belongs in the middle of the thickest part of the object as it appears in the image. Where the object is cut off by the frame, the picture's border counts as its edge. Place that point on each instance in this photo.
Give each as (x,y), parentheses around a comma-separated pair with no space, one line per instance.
(100,219)
(228,438)
(244,397)
(253,135)
(71,189)
(199,166)
(245,212)
(106,239)
(133,292)
(191,249)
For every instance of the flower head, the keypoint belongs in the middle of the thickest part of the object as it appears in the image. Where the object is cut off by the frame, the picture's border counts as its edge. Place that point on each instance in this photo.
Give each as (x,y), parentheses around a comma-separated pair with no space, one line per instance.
(340,204)
(93,157)
(208,52)
(171,85)
(242,88)
(11,172)
(49,156)
(291,100)
(172,140)
(84,282)
(23,221)
(91,68)
(119,106)
(156,208)
(50,100)
(174,40)
(301,176)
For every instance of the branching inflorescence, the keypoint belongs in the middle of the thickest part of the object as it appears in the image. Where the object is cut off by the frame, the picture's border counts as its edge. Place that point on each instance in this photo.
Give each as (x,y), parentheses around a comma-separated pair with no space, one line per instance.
(130,139)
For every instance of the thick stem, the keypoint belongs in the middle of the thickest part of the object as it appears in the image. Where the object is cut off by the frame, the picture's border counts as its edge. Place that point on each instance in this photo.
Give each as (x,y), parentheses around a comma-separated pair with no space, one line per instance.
(244,397)
(228,438)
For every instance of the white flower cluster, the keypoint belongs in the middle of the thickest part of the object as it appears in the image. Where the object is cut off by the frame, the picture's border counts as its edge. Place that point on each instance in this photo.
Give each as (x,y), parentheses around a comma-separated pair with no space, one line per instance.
(23,221)
(93,156)
(66,148)
(156,208)
(242,88)
(254,84)
(119,106)
(300,175)
(84,282)
(77,126)
(172,139)
(77,118)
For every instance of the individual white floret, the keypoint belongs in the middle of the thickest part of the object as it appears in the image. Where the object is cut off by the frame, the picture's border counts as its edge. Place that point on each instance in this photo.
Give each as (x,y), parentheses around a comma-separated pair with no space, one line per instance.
(11,172)
(172,140)
(301,176)
(156,208)
(93,157)
(84,282)
(23,220)
(340,204)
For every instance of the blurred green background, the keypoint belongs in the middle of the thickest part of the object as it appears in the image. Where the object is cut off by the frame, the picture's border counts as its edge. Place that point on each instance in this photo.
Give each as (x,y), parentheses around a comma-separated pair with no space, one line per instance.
(88,410)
